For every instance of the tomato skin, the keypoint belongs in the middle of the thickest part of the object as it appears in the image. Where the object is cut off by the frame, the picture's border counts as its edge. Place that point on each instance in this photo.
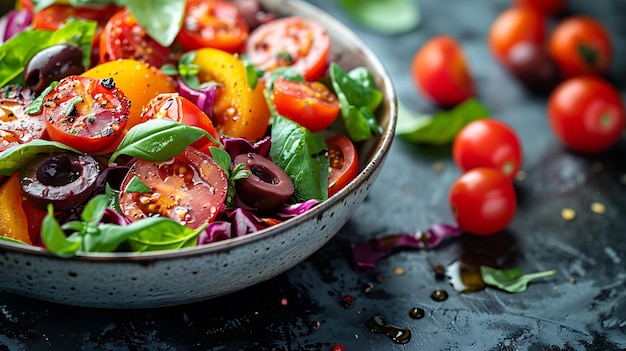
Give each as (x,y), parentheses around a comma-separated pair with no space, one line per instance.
(123,38)
(344,162)
(310,104)
(87,114)
(213,24)
(180,109)
(513,26)
(292,42)
(489,143)
(238,110)
(483,201)
(586,114)
(581,45)
(549,7)
(440,71)
(190,189)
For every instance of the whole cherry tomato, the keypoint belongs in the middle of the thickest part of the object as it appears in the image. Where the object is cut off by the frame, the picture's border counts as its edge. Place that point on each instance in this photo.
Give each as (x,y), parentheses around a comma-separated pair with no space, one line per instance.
(489,143)
(549,7)
(212,24)
(531,64)
(344,163)
(440,71)
(581,45)
(515,25)
(483,201)
(294,42)
(310,104)
(87,114)
(586,114)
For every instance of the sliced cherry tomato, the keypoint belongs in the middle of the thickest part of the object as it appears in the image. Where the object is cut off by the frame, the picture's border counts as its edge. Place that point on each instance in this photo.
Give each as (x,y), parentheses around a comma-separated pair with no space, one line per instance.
(489,143)
(190,189)
(549,7)
(123,38)
(483,201)
(581,45)
(87,114)
(290,42)
(310,104)
(586,114)
(17,127)
(180,109)
(213,24)
(238,110)
(441,72)
(513,26)
(344,163)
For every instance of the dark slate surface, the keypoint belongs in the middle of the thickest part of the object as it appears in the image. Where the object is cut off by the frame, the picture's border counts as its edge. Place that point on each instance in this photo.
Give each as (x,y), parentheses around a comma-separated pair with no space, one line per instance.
(583,307)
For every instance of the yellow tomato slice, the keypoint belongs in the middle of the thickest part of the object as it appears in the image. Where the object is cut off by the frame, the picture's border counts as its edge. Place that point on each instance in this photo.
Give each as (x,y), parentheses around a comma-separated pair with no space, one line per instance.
(13,223)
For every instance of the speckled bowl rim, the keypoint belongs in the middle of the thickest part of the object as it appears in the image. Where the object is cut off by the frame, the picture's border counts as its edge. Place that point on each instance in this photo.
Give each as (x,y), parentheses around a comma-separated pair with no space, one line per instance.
(381,149)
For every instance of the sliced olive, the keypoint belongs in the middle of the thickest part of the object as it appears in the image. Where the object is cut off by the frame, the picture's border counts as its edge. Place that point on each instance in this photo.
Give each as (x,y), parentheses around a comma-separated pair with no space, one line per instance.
(532,65)
(52,64)
(267,187)
(63,180)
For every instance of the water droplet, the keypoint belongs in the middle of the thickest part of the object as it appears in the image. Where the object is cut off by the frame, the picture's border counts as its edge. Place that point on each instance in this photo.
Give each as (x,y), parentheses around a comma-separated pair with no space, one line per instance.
(417,313)
(439,295)
(378,324)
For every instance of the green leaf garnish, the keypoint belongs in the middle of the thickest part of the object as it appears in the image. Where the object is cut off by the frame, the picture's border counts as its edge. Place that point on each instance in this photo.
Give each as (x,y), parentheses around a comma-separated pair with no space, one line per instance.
(162,19)
(512,280)
(222,158)
(440,128)
(135,185)
(37,104)
(387,17)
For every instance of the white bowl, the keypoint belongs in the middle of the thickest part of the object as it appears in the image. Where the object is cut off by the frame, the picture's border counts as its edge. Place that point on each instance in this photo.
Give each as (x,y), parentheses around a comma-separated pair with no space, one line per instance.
(139,280)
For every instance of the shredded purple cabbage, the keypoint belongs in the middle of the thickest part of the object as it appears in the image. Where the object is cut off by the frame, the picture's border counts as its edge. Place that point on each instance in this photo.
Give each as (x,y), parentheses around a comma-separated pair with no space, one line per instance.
(203,97)
(238,146)
(13,23)
(290,211)
(365,254)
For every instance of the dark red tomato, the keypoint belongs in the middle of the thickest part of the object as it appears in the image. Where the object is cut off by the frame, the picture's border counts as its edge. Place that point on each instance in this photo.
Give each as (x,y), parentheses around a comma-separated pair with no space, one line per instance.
(290,42)
(190,189)
(87,114)
(213,24)
(488,143)
(123,38)
(586,114)
(441,72)
(532,65)
(515,25)
(483,201)
(549,7)
(17,127)
(344,162)
(180,109)
(581,45)
(310,104)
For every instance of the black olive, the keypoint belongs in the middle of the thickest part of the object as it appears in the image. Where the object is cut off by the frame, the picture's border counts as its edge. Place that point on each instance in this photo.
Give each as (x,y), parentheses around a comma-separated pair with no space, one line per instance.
(52,64)
(63,180)
(533,66)
(267,187)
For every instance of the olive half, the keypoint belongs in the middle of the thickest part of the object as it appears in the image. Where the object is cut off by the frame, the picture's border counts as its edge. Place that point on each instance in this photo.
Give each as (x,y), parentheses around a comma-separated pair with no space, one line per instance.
(52,64)
(267,186)
(63,180)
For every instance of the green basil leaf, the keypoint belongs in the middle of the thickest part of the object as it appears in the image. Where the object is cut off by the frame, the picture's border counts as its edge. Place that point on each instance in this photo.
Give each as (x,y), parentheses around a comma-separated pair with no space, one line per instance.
(222,158)
(112,195)
(11,240)
(162,19)
(135,185)
(157,140)
(387,17)
(356,124)
(163,234)
(54,238)
(301,154)
(37,104)
(512,280)
(14,158)
(94,209)
(440,128)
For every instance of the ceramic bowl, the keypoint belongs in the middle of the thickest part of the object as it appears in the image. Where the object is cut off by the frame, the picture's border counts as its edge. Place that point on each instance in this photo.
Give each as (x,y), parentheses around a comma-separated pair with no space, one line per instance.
(140,280)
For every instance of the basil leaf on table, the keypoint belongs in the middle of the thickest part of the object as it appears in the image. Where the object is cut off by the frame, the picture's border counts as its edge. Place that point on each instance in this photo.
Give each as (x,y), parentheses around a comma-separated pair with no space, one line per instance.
(302,155)
(440,128)
(387,17)
(512,280)
(14,158)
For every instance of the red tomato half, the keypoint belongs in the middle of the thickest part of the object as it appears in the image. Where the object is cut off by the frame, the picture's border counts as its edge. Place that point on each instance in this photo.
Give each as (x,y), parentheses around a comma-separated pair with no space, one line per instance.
(190,189)
(290,42)
(180,109)
(581,45)
(124,38)
(17,127)
(483,201)
(310,104)
(586,114)
(441,72)
(513,26)
(87,114)
(488,143)
(344,163)
(213,24)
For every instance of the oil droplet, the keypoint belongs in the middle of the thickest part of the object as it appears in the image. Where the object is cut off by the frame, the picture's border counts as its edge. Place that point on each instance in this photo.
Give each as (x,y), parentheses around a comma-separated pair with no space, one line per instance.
(439,295)
(417,313)
(378,324)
